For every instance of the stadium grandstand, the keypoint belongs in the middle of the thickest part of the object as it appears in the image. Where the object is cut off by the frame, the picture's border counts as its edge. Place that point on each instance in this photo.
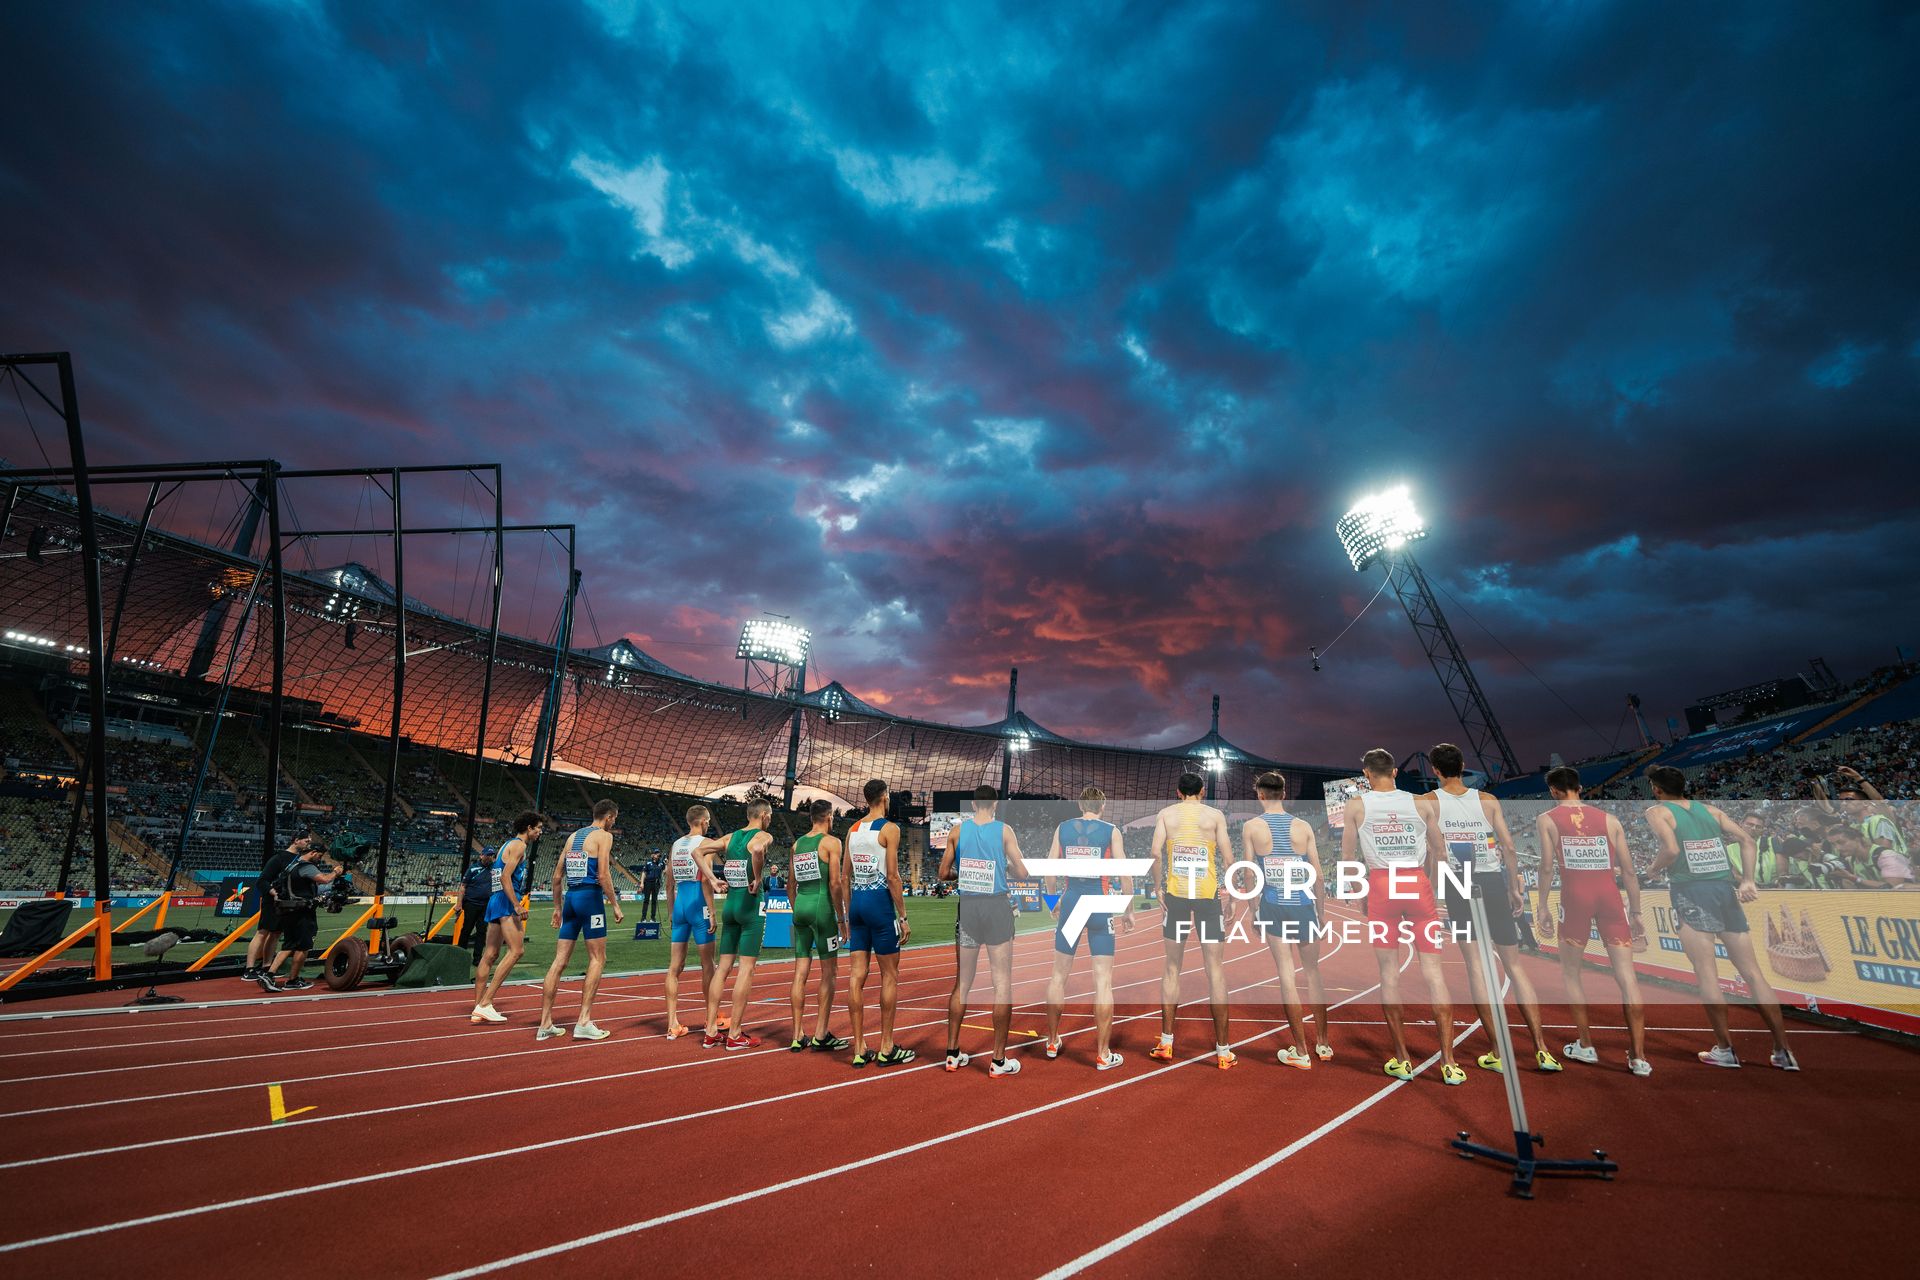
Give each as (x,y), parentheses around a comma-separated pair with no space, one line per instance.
(625,725)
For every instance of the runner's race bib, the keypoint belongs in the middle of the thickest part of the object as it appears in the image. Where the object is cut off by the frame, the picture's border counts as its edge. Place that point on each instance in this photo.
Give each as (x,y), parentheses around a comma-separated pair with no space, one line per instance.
(866,865)
(683,868)
(806,866)
(1083,851)
(1274,867)
(1473,847)
(1585,853)
(1395,843)
(736,873)
(1191,861)
(976,875)
(1706,857)
(576,866)
(495,880)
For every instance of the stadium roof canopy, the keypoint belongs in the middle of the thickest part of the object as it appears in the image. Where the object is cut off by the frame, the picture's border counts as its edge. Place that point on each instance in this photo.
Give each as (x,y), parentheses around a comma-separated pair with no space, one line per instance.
(624,715)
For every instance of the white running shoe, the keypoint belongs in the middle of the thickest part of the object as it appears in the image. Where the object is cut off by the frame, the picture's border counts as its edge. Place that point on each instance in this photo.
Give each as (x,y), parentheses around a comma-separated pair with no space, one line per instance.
(587,1031)
(1639,1066)
(1581,1053)
(1004,1067)
(1720,1056)
(1109,1062)
(955,1061)
(1053,1049)
(487,1013)
(1784,1059)
(1323,1051)
(549,1033)
(1291,1056)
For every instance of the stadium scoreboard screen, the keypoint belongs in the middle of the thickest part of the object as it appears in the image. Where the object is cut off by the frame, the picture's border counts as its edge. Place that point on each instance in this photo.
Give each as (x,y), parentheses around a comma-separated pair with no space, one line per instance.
(1337,795)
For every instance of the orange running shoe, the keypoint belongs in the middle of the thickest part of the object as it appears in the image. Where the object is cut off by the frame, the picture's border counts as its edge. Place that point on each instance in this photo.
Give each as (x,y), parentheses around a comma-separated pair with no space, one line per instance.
(1161,1052)
(675,1031)
(1225,1061)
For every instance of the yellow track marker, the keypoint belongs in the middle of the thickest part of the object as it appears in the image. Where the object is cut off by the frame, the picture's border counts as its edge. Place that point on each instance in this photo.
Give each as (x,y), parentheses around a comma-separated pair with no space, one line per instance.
(1011,1031)
(277,1105)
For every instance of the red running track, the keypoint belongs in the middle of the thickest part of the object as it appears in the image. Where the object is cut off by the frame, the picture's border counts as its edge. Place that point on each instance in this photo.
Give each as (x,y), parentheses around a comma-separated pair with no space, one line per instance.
(437,1148)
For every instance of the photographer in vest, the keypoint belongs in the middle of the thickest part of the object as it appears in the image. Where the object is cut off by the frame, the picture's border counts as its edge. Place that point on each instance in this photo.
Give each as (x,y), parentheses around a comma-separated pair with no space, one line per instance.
(296,898)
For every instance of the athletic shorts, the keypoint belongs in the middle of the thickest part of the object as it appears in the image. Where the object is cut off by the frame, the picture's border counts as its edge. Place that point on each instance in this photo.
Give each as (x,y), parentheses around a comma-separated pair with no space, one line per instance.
(1709,906)
(1501,930)
(1201,916)
(1582,907)
(297,931)
(741,925)
(816,930)
(870,922)
(1288,921)
(1413,917)
(1098,932)
(269,915)
(583,914)
(500,906)
(691,921)
(986,920)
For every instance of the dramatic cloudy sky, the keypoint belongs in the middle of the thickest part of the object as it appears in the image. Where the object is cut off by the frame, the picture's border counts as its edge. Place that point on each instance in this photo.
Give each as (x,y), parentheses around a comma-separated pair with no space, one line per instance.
(1057,335)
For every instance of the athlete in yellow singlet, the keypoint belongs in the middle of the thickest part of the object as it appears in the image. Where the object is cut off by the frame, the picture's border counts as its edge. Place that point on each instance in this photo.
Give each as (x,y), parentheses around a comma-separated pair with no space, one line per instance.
(1190,848)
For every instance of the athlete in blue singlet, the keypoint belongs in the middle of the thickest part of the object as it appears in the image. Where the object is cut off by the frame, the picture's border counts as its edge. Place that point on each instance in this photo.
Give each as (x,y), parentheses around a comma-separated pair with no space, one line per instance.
(1282,846)
(506,921)
(1089,839)
(981,853)
(876,915)
(694,911)
(582,894)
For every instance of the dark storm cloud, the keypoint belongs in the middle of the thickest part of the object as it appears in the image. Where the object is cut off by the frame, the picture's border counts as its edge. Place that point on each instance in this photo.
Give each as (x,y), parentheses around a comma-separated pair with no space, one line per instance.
(1056,336)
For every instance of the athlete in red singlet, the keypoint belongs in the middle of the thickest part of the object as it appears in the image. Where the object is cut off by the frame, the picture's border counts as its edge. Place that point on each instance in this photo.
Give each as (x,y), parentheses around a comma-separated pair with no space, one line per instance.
(1589,847)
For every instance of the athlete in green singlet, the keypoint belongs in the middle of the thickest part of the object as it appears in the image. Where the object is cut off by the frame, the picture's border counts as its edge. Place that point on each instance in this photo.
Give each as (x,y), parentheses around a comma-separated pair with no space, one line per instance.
(817,926)
(744,861)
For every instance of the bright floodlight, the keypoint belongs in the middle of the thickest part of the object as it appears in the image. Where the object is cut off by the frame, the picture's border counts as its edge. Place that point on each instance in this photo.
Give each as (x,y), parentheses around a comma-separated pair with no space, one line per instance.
(765,640)
(1383,522)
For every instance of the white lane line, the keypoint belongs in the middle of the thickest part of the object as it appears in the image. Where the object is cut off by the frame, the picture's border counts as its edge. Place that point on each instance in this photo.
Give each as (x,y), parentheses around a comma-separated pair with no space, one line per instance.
(364,1179)
(728,1202)
(1179,1211)
(352,1115)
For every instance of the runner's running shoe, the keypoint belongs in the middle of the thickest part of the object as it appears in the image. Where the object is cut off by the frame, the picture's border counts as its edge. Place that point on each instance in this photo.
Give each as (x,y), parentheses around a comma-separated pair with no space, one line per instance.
(1581,1052)
(955,1061)
(1453,1073)
(1004,1067)
(1053,1049)
(1292,1057)
(587,1031)
(1639,1066)
(1161,1052)
(830,1044)
(1784,1059)
(1545,1061)
(1224,1059)
(549,1033)
(677,1030)
(487,1013)
(1109,1062)
(1491,1062)
(1323,1051)
(741,1041)
(713,1040)
(1399,1069)
(1720,1056)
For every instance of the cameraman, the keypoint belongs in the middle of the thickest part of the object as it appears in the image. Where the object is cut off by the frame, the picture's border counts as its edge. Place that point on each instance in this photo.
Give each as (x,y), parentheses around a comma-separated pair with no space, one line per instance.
(261,950)
(296,895)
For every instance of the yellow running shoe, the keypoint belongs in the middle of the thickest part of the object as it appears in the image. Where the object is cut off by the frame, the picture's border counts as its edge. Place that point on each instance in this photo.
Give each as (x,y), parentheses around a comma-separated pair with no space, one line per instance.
(1399,1069)
(1452,1073)
(1161,1052)
(1491,1062)
(1545,1061)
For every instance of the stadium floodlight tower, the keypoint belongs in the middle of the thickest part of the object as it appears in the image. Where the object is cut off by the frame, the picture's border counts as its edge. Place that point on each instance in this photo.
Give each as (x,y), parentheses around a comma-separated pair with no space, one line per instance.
(1379,530)
(773,652)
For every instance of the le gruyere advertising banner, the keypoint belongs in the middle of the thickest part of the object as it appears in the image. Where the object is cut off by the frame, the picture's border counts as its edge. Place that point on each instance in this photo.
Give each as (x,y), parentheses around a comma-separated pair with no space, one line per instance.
(1857,951)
